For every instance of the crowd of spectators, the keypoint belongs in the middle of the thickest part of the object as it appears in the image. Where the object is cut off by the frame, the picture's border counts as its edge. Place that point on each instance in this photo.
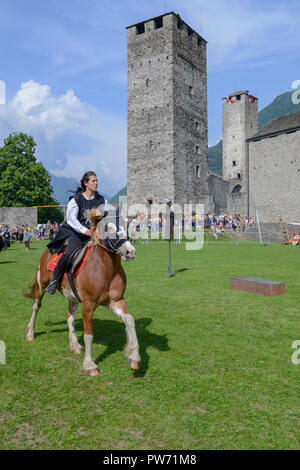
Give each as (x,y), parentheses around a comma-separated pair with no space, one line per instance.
(24,233)
(215,224)
(218,224)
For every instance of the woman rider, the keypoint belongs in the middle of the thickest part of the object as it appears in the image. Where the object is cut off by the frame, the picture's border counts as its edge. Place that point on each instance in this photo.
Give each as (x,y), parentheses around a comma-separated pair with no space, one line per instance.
(76,228)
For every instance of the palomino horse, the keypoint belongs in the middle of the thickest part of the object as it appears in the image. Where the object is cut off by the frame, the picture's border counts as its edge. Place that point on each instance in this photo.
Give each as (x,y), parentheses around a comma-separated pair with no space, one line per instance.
(101,281)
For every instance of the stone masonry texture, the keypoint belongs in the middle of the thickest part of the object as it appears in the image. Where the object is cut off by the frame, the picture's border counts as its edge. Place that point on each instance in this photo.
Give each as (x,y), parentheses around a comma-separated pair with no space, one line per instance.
(274,176)
(17,216)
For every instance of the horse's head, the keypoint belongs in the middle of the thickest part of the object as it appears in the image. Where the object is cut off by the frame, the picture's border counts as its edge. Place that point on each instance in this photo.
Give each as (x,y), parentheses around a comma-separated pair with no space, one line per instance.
(110,229)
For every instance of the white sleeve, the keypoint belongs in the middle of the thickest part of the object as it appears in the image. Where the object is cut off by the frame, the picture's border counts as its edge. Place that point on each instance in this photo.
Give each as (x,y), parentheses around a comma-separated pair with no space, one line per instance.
(72,213)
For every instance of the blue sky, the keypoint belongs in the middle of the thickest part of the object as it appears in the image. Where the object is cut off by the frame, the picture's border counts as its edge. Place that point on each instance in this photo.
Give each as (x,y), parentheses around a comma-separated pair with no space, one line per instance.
(64,64)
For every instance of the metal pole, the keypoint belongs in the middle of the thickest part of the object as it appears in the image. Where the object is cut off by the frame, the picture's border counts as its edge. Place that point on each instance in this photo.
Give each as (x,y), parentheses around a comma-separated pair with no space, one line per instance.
(248,180)
(170,270)
(258,227)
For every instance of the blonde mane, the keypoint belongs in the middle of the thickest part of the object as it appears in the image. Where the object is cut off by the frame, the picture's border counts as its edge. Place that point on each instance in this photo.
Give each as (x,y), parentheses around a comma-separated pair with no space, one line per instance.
(94,216)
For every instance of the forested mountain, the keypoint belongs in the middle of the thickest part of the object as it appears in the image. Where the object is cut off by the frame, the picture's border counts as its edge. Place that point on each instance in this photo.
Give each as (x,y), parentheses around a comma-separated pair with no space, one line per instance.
(122,192)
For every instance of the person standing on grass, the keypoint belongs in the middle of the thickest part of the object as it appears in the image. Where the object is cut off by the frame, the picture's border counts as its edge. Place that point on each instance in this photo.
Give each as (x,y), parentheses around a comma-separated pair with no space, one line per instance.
(26,238)
(6,238)
(51,232)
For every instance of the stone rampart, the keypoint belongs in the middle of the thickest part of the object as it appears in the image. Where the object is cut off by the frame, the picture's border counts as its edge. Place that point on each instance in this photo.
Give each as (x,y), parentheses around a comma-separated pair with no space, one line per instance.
(15,217)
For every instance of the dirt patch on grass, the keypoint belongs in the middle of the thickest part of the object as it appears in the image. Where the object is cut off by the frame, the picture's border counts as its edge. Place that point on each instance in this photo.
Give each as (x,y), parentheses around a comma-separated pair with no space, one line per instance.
(27,437)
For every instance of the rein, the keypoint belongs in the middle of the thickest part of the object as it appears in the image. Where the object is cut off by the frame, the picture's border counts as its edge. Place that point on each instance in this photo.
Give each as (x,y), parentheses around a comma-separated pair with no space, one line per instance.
(108,244)
(110,248)
(106,248)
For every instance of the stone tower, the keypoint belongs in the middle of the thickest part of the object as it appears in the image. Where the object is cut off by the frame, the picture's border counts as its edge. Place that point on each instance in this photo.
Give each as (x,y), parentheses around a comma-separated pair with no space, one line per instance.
(240,121)
(167,147)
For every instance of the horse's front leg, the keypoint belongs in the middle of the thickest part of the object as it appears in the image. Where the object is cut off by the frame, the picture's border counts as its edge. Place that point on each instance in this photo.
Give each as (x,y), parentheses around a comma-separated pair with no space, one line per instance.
(38,295)
(132,347)
(87,314)
(73,341)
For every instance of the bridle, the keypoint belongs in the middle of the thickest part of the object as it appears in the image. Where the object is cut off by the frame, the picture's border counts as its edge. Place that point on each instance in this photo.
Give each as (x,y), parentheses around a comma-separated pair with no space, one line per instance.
(112,248)
(112,244)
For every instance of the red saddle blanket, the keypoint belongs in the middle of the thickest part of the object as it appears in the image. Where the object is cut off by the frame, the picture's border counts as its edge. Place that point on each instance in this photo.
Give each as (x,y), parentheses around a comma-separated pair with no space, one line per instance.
(56,257)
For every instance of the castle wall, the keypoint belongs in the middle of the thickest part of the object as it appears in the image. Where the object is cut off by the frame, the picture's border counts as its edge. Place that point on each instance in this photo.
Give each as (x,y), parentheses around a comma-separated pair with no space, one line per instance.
(17,216)
(237,203)
(274,175)
(218,188)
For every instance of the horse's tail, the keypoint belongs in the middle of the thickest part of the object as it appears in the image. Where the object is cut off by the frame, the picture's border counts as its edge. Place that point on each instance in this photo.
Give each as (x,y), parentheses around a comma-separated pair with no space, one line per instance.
(30,293)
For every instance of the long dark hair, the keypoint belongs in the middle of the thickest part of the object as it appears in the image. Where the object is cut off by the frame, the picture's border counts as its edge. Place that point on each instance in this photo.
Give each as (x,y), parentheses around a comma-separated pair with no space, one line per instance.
(84,180)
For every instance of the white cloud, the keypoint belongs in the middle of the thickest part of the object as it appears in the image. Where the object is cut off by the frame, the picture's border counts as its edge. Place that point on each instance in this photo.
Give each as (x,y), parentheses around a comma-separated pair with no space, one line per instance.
(295,84)
(2,92)
(243,32)
(71,136)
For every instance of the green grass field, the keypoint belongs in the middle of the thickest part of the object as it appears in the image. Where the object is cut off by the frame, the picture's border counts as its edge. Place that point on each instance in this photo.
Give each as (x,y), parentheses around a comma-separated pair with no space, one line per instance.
(216,370)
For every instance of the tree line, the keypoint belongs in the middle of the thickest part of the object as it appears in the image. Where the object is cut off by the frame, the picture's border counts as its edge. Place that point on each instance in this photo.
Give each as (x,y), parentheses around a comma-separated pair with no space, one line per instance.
(24,182)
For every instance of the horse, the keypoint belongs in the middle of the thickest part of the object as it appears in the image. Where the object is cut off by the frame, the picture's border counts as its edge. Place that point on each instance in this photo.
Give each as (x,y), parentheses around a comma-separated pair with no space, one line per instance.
(100,282)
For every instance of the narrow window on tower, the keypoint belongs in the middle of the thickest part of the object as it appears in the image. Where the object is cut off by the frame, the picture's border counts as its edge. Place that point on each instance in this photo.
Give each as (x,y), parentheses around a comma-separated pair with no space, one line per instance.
(140,28)
(191,91)
(234,163)
(197,149)
(197,171)
(197,125)
(158,22)
(147,82)
(180,25)
(239,176)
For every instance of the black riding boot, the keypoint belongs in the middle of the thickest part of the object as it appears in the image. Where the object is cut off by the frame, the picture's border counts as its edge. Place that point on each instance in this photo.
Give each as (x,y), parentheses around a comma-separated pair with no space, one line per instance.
(58,272)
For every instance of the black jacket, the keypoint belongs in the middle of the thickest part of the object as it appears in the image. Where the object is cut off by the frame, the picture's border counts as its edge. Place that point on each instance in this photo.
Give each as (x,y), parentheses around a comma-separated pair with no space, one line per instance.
(65,230)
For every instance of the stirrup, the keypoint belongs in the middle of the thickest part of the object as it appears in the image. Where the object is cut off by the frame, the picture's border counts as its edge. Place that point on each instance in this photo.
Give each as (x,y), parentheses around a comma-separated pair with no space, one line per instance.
(52,287)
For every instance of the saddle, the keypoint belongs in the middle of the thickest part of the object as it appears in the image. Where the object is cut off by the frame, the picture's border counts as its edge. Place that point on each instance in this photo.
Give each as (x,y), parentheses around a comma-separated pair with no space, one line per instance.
(75,264)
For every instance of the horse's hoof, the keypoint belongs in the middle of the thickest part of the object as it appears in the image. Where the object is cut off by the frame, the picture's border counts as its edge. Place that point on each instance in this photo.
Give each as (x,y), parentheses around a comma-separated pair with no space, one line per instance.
(134,365)
(93,372)
(77,351)
(30,338)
